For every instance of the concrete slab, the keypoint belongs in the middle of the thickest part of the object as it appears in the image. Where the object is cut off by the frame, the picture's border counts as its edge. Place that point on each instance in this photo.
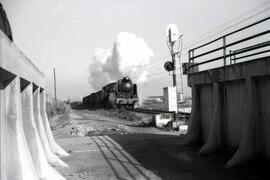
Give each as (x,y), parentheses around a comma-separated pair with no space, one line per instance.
(100,157)
(147,156)
(144,154)
(14,61)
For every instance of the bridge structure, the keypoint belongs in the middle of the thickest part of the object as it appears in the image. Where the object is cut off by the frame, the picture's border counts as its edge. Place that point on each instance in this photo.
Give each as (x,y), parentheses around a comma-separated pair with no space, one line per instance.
(28,149)
(230,81)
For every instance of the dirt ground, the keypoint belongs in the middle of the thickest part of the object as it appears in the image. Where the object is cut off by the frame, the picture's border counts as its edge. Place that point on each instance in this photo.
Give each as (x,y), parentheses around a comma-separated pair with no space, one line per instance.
(109,145)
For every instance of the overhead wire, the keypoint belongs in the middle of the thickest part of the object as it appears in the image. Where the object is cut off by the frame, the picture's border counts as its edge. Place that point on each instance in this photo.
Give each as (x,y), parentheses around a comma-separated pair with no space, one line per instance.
(159,59)
(229,27)
(220,31)
(226,28)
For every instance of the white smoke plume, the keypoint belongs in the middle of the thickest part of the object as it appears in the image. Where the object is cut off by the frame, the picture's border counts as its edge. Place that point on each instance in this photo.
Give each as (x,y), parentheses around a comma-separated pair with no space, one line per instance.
(129,56)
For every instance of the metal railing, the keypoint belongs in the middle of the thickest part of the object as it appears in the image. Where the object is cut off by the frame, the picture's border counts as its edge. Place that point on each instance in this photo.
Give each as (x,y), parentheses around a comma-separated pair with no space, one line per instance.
(193,59)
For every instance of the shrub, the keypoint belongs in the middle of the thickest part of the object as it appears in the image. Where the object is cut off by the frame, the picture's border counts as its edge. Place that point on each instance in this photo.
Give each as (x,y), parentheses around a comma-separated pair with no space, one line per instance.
(58,108)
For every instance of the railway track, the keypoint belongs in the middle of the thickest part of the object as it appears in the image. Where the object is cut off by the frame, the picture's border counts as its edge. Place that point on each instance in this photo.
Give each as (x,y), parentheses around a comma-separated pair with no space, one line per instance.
(150,111)
(154,111)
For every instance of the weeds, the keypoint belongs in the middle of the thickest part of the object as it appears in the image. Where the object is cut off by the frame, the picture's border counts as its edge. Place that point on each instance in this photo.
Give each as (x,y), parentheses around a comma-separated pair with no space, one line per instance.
(58,108)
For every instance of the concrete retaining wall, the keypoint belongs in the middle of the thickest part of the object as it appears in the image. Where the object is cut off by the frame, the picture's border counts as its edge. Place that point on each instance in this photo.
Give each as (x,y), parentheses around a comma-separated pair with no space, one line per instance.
(263,86)
(231,109)
(27,146)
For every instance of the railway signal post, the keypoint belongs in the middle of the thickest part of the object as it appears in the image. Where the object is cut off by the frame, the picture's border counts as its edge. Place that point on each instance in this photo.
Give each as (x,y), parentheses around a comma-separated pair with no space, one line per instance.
(172,37)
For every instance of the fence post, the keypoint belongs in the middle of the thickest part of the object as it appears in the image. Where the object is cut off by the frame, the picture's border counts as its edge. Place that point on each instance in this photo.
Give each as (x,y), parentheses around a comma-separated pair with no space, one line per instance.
(189,60)
(192,55)
(224,50)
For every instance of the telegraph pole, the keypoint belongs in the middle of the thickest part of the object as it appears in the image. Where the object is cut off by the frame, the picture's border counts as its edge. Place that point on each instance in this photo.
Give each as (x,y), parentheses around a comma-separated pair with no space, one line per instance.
(54,77)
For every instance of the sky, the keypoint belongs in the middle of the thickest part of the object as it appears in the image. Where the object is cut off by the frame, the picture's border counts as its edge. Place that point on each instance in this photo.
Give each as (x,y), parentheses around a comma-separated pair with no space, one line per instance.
(64,34)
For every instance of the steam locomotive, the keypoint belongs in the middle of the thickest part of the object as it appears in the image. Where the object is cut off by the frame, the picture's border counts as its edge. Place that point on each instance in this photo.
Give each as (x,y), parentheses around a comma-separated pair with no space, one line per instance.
(122,93)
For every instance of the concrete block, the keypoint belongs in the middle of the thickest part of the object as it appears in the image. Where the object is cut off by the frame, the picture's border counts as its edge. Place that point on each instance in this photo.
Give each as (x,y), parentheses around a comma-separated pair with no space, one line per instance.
(18,162)
(162,120)
(42,167)
(52,158)
(25,150)
(183,129)
(53,145)
(230,107)
(14,61)
(175,124)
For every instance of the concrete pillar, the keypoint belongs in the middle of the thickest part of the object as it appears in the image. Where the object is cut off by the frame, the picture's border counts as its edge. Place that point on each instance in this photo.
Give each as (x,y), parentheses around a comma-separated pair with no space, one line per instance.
(247,145)
(53,145)
(2,133)
(194,127)
(52,158)
(213,141)
(17,160)
(43,169)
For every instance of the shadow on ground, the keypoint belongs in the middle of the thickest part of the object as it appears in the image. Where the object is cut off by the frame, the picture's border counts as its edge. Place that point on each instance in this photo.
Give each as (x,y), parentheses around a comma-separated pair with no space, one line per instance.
(166,157)
(145,155)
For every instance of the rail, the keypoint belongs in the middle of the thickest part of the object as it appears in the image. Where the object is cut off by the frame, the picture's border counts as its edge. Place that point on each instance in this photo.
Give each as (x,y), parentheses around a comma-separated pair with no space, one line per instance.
(151,111)
(194,61)
(155,111)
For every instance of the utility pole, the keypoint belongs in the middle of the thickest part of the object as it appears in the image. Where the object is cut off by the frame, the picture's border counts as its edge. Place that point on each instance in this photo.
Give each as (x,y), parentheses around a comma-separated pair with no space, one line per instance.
(173,58)
(55,97)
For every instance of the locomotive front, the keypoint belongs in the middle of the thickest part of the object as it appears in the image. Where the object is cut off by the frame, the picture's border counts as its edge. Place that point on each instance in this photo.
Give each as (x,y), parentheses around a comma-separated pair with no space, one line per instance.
(126,85)
(127,92)
(113,95)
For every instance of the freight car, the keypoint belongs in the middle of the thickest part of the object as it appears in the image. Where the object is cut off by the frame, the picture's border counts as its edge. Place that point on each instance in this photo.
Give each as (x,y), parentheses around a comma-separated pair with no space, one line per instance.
(122,93)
